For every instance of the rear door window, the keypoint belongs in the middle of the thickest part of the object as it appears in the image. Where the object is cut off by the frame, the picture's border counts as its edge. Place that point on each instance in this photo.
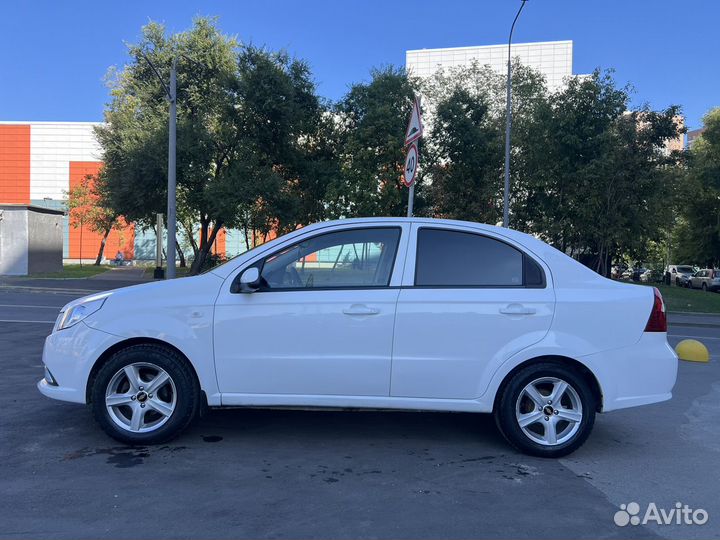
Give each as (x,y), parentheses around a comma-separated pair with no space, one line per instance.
(447,258)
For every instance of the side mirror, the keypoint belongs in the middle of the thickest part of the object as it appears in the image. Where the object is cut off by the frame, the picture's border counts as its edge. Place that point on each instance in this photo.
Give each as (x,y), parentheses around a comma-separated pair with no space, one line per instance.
(248,282)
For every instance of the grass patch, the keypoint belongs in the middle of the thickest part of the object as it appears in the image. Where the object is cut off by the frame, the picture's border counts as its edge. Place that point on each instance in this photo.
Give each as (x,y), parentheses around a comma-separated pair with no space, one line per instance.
(681,299)
(73,271)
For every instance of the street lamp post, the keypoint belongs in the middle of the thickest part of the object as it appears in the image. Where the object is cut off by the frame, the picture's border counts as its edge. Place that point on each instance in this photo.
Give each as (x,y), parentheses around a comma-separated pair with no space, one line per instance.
(508,123)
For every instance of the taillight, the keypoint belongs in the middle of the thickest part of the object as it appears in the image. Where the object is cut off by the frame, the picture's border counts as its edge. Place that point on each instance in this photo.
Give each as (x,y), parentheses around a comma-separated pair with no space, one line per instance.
(658,319)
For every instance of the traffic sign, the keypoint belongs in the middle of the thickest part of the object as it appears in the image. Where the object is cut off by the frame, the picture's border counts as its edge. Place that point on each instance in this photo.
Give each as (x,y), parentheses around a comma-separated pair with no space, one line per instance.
(415,127)
(411,165)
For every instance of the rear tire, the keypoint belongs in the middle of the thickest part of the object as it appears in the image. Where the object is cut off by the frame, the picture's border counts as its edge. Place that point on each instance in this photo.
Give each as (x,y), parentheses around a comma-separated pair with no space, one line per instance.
(145,394)
(546,410)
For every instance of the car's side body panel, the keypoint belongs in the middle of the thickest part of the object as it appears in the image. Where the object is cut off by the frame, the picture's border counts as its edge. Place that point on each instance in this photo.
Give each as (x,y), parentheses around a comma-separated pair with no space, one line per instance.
(448,341)
(578,315)
(179,312)
(308,341)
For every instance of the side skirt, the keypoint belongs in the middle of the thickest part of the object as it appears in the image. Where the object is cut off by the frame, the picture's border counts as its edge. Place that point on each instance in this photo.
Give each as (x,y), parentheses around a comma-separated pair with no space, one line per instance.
(296,401)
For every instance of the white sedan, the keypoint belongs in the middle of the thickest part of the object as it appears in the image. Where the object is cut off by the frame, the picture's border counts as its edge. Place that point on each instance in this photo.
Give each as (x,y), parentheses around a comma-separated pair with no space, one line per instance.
(389,313)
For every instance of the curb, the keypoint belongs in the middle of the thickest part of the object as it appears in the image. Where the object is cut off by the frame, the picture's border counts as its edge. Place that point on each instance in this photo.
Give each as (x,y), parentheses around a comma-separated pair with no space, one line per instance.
(694,325)
(51,290)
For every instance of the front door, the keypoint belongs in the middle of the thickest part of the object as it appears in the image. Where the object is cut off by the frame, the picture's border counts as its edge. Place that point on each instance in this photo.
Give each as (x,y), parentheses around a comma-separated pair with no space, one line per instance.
(470,302)
(321,322)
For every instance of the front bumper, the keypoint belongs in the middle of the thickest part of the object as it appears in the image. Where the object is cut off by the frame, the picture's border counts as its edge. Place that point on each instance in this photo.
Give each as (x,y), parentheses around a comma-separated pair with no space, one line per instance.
(69,355)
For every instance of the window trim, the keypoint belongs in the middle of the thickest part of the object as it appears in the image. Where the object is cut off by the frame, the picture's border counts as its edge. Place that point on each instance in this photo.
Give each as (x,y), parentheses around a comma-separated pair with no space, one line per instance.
(522,252)
(260,264)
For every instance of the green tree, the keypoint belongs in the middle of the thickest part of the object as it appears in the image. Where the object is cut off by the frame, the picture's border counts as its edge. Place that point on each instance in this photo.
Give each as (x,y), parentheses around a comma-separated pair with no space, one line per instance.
(466,156)
(698,235)
(248,130)
(597,181)
(466,126)
(371,123)
(88,208)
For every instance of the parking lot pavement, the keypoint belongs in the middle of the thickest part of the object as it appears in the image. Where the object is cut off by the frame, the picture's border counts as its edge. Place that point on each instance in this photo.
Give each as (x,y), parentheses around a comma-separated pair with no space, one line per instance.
(254,473)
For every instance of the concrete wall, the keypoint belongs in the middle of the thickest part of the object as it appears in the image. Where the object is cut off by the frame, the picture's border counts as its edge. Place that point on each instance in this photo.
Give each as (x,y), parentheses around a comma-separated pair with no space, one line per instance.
(45,241)
(31,240)
(13,241)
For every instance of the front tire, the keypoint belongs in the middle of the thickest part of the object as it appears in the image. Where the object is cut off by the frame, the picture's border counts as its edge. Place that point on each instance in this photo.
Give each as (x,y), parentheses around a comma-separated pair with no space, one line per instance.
(145,394)
(546,410)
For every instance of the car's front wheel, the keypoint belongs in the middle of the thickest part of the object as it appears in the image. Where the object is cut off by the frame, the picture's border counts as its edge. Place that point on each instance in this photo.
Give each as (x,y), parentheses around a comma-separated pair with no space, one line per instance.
(546,410)
(145,394)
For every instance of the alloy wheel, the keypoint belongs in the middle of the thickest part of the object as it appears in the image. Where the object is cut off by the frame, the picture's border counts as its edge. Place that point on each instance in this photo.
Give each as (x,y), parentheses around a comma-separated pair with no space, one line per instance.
(140,397)
(549,411)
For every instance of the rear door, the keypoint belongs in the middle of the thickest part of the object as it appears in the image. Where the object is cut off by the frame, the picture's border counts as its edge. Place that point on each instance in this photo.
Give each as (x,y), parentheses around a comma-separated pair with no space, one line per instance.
(468,301)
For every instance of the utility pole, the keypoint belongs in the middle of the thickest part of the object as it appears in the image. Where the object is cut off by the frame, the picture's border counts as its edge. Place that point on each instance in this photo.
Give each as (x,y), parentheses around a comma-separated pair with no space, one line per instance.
(171,92)
(508,106)
(171,200)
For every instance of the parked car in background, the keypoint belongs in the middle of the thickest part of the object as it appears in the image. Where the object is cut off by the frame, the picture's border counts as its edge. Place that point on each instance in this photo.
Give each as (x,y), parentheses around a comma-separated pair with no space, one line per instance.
(680,274)
(707,279)
(617,271)
(651,276)
(388,313)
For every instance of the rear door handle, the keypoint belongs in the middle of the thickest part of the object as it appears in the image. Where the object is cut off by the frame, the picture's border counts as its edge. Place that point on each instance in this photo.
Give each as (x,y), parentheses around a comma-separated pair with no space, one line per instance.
(360,309)
(517,309)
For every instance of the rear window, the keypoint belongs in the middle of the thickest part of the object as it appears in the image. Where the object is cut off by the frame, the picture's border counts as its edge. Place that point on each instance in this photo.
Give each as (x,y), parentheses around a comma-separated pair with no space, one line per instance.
(458,259)
(685,269)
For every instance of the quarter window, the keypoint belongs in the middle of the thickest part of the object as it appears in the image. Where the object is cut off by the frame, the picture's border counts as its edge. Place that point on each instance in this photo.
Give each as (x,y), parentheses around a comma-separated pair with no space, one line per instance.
(350,258)
(458,259)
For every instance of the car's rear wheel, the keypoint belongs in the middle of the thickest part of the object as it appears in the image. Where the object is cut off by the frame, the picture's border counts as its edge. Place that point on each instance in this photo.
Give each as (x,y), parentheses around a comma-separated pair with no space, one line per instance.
(546,410)
(145,394)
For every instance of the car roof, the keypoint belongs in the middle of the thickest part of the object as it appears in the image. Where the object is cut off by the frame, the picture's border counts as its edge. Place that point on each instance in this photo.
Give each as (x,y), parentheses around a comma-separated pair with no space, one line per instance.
(504,231)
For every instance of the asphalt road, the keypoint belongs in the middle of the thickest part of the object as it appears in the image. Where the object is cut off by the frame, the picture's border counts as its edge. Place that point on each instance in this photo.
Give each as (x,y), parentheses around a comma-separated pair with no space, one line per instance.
(279,474)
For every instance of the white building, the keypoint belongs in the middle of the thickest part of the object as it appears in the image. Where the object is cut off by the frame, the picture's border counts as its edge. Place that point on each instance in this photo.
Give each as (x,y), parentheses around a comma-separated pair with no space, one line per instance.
(554,59)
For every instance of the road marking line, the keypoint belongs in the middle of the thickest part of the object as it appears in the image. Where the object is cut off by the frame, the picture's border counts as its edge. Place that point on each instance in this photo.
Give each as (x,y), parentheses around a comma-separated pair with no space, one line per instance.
(34,322)
(699,338)
(29,306)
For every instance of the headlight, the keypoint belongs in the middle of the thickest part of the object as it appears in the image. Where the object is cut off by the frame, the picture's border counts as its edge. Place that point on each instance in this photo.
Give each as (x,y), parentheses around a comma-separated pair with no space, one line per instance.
(76,313)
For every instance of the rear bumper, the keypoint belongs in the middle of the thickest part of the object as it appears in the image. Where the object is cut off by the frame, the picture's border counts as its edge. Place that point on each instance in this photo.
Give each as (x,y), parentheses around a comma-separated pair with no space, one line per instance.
(640,374)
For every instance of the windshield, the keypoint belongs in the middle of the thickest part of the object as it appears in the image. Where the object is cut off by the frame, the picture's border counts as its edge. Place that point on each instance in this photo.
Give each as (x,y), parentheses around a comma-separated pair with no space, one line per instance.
(685,269)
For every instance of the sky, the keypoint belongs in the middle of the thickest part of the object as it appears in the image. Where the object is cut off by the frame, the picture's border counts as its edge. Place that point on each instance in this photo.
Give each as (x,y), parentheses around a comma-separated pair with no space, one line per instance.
(54,55)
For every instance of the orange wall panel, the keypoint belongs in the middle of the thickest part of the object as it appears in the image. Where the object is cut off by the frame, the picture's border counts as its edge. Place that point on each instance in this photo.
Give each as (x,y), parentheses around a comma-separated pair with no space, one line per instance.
(118,240)
(15,164)
(219,247)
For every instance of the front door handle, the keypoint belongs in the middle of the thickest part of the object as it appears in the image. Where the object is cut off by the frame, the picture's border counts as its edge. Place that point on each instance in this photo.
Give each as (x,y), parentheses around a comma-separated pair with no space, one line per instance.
(360,309)
(517,309)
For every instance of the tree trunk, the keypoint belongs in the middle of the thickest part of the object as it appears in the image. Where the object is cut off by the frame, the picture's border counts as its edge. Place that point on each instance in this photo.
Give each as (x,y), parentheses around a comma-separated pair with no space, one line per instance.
(98,260)
(191,238)
(180,254)
(81,231)
(206,244)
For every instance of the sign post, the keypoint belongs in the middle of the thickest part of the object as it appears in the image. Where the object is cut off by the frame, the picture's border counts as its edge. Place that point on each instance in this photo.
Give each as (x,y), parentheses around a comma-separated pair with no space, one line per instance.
(412,135)
(410,173)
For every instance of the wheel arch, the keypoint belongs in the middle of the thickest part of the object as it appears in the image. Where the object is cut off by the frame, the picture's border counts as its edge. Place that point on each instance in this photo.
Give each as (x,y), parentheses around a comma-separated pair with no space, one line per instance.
(566,361)
(108,354)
